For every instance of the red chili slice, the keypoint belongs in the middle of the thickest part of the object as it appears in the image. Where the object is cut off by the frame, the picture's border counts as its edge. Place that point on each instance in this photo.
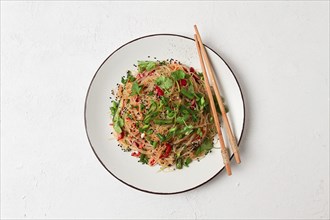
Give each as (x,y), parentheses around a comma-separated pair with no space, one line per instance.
(195,77)
(151,72)
(183,82)
(140,75)
(193,104)
(134,154)
(167,151)
(159,91)
(152,162)
(191,69)
(121,135)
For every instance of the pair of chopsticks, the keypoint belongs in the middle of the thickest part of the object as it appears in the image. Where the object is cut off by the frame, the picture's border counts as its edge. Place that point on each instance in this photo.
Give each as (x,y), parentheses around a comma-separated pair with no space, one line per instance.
(224,152)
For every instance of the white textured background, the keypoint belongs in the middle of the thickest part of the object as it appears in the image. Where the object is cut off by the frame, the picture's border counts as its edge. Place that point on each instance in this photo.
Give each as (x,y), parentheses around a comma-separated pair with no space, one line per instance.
(279,52)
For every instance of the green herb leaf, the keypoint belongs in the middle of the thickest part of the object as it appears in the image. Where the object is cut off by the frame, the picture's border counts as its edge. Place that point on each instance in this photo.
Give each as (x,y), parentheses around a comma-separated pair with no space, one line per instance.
(149,117)
(164,100)
(173,130)
(153,107)
(182,120)
(117,128)
(114,108)
(161,137)
(144,159)
(187,162)
(201,103)
(154,144)
(178,74)
(170,114)
(164,82)
(206,146)
(120,121)
(163,121)
(191,88)
(144,128)
(146,65)
(118,124)
(135,89)
(130,77)
(199,132)
(188,94)
(187,130)
(123,80)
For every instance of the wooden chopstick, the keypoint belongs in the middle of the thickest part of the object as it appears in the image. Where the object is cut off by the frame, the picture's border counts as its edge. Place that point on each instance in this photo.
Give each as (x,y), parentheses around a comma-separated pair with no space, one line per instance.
(224,152)
(231,136)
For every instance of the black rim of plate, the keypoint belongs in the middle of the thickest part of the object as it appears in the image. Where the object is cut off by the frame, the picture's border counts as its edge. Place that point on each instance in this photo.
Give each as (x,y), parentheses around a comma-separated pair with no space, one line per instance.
(143,190)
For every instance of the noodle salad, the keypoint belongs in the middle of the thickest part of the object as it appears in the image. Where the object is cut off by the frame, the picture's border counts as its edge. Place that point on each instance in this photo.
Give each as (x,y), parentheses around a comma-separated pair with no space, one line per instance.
(162,115)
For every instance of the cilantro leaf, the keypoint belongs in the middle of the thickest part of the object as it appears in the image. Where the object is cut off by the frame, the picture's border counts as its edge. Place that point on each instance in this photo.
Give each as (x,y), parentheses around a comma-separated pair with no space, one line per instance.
(187,93)
(191,88)
(114,108)
(178,74)
(118,124)
(164,82)
(135,89)
(130,77)
(151,65)
(146,65)
(123,80)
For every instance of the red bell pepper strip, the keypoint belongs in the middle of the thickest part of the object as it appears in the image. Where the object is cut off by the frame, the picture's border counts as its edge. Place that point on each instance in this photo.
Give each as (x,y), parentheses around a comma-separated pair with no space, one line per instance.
(159,91)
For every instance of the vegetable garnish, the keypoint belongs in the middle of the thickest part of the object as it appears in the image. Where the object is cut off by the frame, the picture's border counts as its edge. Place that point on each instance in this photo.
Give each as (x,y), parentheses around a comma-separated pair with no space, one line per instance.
(162,114)
(135,89)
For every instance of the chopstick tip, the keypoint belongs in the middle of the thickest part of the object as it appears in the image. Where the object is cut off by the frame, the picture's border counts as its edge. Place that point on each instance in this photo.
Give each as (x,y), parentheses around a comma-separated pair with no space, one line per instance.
(195,27)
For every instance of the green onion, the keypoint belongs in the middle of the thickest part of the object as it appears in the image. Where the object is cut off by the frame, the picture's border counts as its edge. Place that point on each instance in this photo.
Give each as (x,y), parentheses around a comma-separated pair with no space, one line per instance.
(144,159)
(173,129)
(161,137)
(145,127)
(149,117)
(153,107)
(179,163)
(199,132)
(154,144)
(187,162)
(163,121)
(206,146)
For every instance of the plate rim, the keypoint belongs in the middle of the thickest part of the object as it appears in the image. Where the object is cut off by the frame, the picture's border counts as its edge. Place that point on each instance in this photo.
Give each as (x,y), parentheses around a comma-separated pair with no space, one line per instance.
(85,120)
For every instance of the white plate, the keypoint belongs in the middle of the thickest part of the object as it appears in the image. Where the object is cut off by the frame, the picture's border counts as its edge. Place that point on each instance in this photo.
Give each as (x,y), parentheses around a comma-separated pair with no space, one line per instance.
(97,118)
